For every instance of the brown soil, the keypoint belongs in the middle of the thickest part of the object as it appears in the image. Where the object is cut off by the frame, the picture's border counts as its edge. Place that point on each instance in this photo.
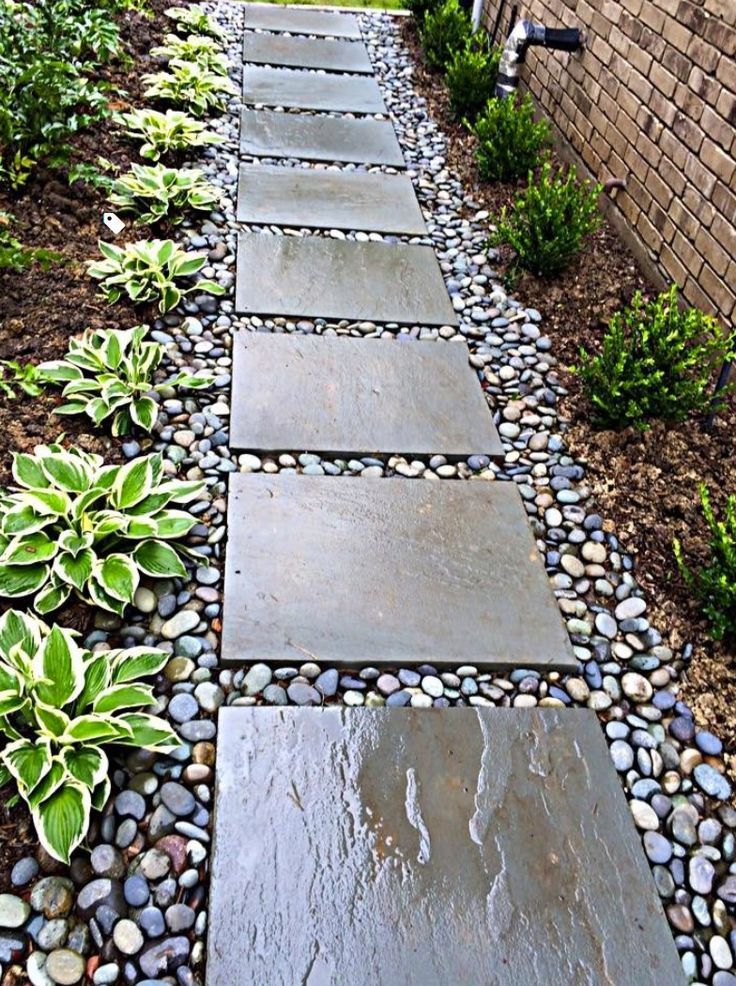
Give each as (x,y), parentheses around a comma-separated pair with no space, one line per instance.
(645,484)
(40,310)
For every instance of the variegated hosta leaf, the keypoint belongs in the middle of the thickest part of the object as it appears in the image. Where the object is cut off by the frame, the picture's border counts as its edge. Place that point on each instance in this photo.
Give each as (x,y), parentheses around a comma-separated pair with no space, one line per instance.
(62,819)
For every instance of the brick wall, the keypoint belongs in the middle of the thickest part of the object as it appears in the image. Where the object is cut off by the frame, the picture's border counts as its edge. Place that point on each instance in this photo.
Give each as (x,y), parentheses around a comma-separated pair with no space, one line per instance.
(651,99)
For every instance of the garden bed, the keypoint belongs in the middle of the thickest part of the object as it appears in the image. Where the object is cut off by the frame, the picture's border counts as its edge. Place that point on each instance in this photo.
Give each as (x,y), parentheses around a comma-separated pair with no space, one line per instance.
(646,483)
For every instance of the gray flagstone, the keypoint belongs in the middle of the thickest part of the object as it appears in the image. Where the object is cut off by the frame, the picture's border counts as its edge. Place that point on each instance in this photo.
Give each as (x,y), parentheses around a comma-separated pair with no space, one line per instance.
(331,199)
(441,847)
(324,278)
(298,89)
(385,572)
(301,20)
(316,53)
(265,133)
(357,397)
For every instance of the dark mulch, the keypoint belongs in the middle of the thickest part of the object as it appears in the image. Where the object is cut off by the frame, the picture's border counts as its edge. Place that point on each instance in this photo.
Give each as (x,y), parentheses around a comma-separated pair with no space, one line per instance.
(17,838)
(646,484)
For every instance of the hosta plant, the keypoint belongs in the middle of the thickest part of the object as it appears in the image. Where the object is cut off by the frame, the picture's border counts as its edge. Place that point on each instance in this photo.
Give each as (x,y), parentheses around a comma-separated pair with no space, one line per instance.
(194,18)
(190,85)
(60,707)
(156,192)
(196,48)
(17,378)
(163,133)
(108,373)
(148,271)
(74,525)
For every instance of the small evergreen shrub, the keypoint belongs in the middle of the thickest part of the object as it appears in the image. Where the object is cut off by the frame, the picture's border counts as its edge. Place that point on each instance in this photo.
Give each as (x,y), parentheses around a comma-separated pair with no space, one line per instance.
(420,7)
(550,220)
(444,31)
(471,77)
(511,143)
(715,585)
(656,361)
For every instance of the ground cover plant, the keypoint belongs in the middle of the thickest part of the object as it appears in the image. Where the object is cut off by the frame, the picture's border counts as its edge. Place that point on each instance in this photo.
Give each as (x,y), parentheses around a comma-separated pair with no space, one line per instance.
(714,584)
(109,374)
(194,19)
(196,49)
(511,143)
(657,360)
(60,707)
(154,192)
(20,378)
(74,524)
(163,133)
(149,271)
(189,84)
(550,220)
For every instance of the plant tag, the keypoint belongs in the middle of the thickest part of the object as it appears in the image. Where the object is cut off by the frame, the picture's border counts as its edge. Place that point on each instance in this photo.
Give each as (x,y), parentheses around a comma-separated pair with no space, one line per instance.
(113,223)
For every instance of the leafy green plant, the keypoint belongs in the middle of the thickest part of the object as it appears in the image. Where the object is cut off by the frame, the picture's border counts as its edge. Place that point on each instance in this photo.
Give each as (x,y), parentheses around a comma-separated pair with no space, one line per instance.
(23,377)
(108,373)
(550,221)
(14,256)
(444,31)
(715,584)
(194,18)
(155,192)
(92,174)
(46,48)
(147,271)
(75,525)
(511,143)
(60,707)
(163,133)
(190,85)
(197,49)
(656,361)
(471,76)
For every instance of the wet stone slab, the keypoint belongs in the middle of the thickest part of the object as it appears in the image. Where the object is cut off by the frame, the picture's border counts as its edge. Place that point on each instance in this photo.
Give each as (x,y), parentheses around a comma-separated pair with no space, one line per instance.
(386,572)
(357,397)
(477,847)
(297,89)
(303,197)
(297,20)
(265,133)
(317,53)
(307,276)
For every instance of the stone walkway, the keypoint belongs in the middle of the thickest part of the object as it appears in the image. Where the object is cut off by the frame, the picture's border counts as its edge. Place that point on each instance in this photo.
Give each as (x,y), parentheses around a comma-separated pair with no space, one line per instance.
(388,846)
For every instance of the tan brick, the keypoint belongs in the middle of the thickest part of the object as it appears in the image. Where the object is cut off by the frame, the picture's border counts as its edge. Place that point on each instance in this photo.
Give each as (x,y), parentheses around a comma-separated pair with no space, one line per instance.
(717,290)
(651,126)
(641,60)
(701,178)
(703,54)
(672,176)
(689,133)
(726,107)
(716,127)
(677,33)
(720,163)
(725,233)
(630,26)
(638,192)
(658,187)
(661,222)
(691,15)
(704,86)
(652,15)
(689,256)
(676,62)
(649,235)
(684,220)
(721,36)
(673,149)
(689,102)
(723,9)
(694,294)
(671,264)
(700,206)
(633,6)
(724,200)
(662,79)
(653,42)
(713,253)
(642,88)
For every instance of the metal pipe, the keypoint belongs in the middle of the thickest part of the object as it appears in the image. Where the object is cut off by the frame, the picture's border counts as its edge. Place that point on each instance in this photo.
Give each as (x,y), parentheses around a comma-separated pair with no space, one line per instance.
(524,34)
(477,13)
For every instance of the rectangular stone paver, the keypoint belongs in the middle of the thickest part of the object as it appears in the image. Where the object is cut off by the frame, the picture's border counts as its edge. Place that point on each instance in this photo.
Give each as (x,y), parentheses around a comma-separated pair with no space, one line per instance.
(297,20)
(319,53)
(265,133)
(297,89)
(357,397)
(385,572)
(319,277)
(427,847)
(329,200)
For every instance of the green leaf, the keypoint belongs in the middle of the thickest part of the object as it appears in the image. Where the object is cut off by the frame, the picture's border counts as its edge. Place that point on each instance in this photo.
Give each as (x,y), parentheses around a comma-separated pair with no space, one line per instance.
(133,483)
(101,793)
(27,471)
(144,413)
(118,576)
(75,571)
(52,596)
(97,676)
(136,662)
(158,560)
(21,580)
(149,732)
(99,597)
(87,765)
(92,728)
(30,549)
(27,761)
(173,524)
(59,669)
(66,473)
(63,819)
(123,697)
(52,722)
(49,783)
(19,629)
